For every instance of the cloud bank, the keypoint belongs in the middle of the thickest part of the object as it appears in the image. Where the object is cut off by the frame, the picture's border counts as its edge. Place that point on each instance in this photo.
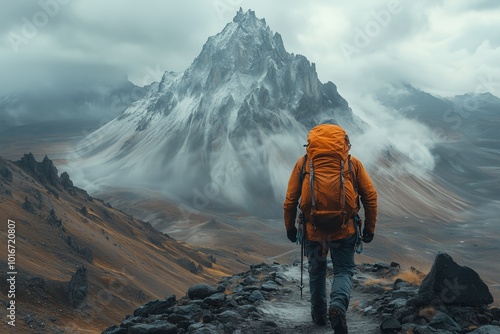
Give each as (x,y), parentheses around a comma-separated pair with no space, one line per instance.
(438,46)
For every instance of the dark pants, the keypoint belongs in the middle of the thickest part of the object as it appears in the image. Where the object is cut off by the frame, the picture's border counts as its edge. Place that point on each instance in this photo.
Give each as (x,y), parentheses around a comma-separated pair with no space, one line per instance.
(342,254)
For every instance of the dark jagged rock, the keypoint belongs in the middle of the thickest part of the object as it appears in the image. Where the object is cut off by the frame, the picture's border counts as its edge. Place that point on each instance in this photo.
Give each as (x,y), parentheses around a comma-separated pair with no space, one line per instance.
(28,206)
(53,219)
(48,172)
(155,307)
(5,173)
(83,211)
(28,163)
(451,284)
(443,321)
(256,295)
(66,183)
(44,171)
(250,280)
(397,302)
(78,287)
(190,265)
(217,299)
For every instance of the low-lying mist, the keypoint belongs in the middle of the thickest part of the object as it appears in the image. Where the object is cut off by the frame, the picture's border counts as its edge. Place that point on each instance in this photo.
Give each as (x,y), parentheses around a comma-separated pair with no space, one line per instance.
(389,132)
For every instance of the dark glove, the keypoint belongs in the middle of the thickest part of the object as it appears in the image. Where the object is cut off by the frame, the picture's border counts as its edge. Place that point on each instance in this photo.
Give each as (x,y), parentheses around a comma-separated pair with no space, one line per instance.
(291,234)
(367,236)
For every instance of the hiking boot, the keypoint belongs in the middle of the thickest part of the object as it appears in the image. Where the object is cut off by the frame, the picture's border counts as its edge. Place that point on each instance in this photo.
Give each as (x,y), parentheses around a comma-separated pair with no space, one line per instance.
(319,320)
(337,320)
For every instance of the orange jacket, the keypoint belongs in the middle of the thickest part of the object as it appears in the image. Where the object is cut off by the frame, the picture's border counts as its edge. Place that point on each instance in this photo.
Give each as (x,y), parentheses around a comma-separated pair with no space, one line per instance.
(366,191)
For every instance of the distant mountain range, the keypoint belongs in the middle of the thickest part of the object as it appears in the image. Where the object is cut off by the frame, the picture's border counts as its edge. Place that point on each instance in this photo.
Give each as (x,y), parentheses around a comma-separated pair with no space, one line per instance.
(467,153)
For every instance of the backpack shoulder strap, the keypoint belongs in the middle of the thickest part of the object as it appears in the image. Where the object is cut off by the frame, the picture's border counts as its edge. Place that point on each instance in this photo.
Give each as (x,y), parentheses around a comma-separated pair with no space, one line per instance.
(303,170)
(354,180)
(351,171)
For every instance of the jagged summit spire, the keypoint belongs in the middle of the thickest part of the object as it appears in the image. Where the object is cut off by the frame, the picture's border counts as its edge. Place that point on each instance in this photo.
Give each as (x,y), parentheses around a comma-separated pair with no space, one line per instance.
(245,44)
(249,15)
(246,23)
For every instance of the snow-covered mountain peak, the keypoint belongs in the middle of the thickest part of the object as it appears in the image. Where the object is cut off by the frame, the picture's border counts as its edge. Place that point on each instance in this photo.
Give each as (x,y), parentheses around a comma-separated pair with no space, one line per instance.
(235,120)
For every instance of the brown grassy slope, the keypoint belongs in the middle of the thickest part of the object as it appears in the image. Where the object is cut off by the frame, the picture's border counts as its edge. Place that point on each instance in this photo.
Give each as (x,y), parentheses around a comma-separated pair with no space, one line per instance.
(128,262)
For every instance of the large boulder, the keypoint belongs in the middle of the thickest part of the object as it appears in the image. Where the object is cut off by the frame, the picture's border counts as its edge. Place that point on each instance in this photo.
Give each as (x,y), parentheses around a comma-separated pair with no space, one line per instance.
(201,291)
(451,284)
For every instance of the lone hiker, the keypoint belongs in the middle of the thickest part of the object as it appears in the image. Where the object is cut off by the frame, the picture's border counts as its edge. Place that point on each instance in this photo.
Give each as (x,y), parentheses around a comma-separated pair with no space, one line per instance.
(330,211)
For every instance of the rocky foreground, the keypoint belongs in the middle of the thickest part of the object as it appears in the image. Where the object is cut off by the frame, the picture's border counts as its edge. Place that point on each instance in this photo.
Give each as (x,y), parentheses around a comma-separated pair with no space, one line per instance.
(451,299)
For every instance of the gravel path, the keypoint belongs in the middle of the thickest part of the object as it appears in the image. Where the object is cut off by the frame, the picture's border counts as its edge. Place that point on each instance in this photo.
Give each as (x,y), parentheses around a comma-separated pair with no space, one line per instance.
(292,313)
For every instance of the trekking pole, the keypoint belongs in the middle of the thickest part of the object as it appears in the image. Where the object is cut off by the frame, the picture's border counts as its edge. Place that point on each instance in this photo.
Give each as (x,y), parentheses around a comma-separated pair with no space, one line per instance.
(358,245)
(302,250)
(301,238)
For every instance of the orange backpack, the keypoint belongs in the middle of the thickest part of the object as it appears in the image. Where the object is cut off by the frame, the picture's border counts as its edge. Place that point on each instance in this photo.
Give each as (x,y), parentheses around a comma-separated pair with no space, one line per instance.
(330,195)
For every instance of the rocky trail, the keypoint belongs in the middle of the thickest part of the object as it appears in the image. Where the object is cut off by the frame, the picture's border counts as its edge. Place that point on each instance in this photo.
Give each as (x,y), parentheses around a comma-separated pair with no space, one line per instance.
(451,299)
(292,313)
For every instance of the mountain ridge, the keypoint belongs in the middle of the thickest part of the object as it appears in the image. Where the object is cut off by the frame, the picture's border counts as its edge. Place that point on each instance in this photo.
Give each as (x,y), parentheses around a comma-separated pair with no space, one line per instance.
(60,227)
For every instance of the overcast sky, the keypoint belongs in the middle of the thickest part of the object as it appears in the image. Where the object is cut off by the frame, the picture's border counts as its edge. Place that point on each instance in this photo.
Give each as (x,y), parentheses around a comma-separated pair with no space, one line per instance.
(443,47)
